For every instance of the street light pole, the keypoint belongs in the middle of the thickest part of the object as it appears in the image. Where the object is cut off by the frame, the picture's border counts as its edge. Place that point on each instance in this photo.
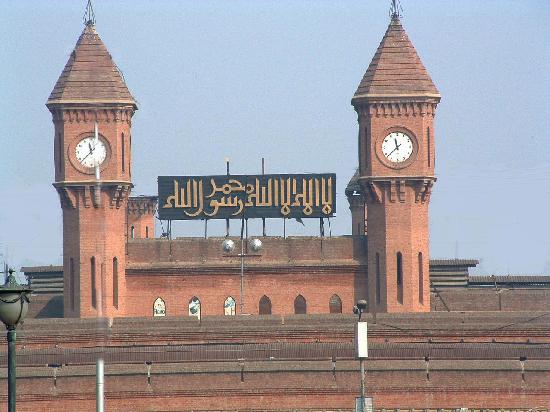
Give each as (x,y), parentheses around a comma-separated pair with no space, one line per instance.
(361,347)
(228,246)
(11,369)
(14,303)
(242,268)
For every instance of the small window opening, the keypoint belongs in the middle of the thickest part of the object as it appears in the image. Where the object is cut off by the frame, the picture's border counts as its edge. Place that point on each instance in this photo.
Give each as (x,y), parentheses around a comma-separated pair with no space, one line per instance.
(335,304)
(300,305)
(265,306)
(159,307)
(399,277)
(229,306)
(115,282)
(93,282)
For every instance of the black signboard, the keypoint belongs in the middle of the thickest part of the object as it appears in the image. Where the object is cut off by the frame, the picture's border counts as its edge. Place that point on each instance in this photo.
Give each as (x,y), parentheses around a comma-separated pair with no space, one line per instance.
(249,196)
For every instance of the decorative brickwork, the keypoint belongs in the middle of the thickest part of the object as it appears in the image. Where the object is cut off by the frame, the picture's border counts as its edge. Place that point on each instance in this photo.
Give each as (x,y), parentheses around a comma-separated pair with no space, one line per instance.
(396,95)
(91,95)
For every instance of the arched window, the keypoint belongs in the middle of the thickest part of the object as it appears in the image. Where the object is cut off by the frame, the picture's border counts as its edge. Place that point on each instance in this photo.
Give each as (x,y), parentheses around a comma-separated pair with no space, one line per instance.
(229,306)
(132,232)
(146,232)
(159,307)
(195,307)
(300,306)
(265,306)
(420,277)
(399,277)
(93,281)
(335,304)
(115,282)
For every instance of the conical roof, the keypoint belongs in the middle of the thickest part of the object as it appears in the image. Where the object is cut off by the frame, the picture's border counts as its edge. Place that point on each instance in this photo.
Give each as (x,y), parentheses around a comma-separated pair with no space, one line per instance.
(90,75)
(396,69)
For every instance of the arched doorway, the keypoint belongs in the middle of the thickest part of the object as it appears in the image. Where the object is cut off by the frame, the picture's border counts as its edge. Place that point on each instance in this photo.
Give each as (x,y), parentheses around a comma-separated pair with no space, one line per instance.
(335,304)
(300,305)
(195,307)
(229,306)
(159,307)
(265,306)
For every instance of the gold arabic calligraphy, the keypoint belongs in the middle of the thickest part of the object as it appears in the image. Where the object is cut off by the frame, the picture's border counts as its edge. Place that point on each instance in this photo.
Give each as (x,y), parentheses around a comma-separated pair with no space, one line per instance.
(280,192)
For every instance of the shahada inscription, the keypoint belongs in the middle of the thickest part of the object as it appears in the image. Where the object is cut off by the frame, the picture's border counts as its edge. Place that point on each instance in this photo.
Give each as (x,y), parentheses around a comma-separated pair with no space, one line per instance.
(248,196)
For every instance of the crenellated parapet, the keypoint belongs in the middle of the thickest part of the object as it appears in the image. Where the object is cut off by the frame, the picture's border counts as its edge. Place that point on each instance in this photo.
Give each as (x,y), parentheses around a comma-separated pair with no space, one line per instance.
(142,205)
(141,211)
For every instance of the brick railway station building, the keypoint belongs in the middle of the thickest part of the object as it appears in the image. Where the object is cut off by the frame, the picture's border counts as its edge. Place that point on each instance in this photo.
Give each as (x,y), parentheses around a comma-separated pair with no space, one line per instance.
(440,338)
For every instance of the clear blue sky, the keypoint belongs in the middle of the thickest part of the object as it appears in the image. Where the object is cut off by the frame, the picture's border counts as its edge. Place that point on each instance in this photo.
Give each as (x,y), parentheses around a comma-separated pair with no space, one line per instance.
(247,79)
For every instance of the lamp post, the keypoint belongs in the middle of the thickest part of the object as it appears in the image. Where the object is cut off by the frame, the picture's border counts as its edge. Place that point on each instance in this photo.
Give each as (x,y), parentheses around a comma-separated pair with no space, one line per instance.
(14,303)
(361,348)
(228,246)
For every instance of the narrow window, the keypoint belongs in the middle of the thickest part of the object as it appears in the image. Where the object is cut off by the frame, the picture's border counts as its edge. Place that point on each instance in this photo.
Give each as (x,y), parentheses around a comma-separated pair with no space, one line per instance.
(71,284)
(366,146)
(93,281)
(399,277)
(195,307)
(429,148)
(115,282)
(300,305)
(59,153)
(123,153)
(335,304)
(229,306)
(146,232)
(132,232)
(420,278)
(130,161)
(265,306)
(159,307)
(378,279)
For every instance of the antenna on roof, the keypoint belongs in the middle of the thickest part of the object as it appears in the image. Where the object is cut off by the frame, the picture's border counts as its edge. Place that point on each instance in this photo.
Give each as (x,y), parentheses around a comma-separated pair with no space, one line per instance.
(89,15)
(395,9)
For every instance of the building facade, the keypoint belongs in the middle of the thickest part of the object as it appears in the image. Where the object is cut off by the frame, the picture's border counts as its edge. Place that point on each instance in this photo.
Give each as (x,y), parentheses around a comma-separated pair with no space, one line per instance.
(159,311)
(109,248)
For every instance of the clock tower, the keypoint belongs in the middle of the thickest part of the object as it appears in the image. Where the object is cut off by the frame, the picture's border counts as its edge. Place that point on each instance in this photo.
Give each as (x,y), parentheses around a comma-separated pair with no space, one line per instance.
(396,102)
(92,111)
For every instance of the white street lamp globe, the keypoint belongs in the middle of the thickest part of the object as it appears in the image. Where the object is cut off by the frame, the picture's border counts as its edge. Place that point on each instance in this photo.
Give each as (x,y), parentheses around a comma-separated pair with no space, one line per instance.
(228,246)
(255,245)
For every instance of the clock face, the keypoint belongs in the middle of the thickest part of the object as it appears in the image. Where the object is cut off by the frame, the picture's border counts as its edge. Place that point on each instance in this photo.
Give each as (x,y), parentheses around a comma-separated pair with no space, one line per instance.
(397,147)
(91,152)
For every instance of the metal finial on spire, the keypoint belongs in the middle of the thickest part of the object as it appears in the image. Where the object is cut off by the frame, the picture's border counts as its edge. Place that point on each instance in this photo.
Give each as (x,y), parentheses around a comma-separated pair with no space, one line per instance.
(395,9)
(89,15)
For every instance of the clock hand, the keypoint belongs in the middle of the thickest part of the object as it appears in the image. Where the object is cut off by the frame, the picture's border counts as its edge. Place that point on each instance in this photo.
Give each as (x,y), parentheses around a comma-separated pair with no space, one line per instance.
(397,148)
(89,153)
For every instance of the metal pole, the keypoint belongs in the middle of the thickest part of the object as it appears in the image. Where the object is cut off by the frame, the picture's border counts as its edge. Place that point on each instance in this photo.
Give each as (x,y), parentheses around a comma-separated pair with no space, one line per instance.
(242,267)
(100,383)
(263,218)
(362,363)
(11,369)
(227,220)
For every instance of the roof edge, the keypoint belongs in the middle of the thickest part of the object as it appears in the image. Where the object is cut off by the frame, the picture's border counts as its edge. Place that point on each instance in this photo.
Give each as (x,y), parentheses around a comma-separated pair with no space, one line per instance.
(90,102)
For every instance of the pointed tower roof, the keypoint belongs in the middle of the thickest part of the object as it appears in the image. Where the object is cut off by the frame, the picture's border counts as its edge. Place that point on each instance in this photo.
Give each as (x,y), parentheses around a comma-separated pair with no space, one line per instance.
(396,69)
(90,75)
